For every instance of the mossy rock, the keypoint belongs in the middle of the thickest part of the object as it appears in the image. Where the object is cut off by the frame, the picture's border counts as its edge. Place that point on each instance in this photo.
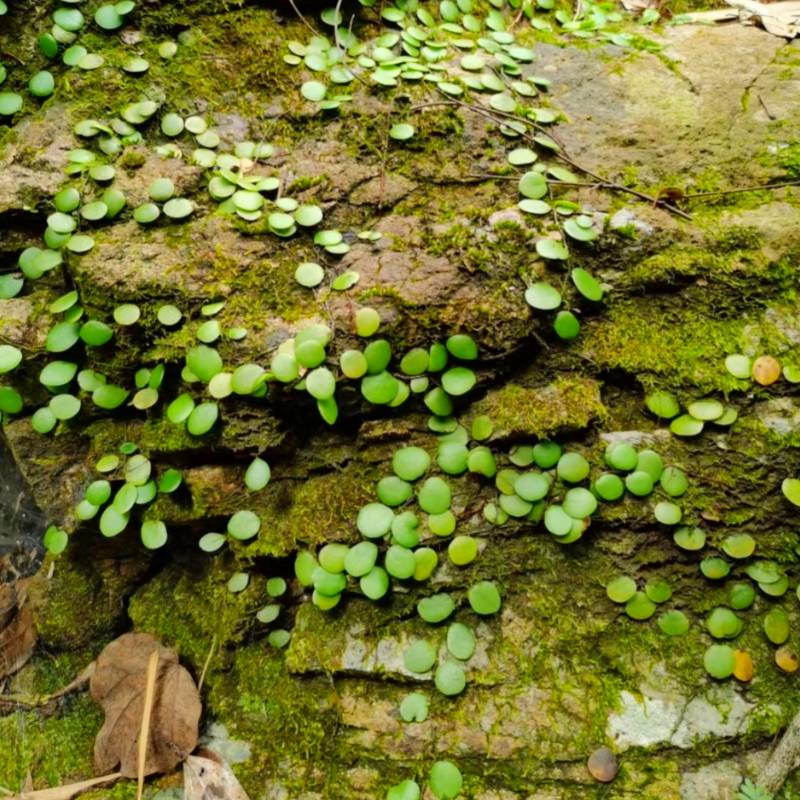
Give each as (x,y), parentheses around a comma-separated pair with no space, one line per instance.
(82,604)
(569,404)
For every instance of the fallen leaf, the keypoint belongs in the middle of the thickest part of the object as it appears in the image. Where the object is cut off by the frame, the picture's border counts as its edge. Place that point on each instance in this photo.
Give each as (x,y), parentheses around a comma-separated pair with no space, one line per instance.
(206,776)
(787,659)
(743,666)
(118,686)
(17,641)
(671,194)
(779,19)
(715,15)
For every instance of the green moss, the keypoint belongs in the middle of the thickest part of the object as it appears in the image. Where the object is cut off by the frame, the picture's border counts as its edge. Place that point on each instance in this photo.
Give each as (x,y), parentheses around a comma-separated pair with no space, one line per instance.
(290,722)
(131,159)
(738,237)
(200,611)
(312,511)
(305,183)
(731,260)
(664,345)
(46,674)
(53,749)
(82,604)
(788,158)
(568,404)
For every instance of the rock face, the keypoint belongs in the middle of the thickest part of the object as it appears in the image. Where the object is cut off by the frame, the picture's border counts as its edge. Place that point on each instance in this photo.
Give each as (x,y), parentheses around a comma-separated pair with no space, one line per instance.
(21,522)
(561,671)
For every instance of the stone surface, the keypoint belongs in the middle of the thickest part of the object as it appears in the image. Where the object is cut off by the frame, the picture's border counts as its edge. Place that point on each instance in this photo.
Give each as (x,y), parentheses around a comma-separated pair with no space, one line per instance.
(32,162)
(712,120)
(659,718)
(21,521)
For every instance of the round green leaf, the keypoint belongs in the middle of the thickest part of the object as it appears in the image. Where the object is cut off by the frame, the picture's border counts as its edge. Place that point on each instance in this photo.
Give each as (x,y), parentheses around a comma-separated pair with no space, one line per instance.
(244,525)
(542,296)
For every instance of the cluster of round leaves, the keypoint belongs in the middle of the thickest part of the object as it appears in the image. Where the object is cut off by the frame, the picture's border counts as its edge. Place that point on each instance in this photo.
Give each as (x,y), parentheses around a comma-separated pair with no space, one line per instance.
(67,24)
(68,227)
(420,658)
(721,661)
(394,536)
(462,52)
(302,361)
(397,546)
(697,413)
(231,180)
(444,781)
(57,376)
(723,623)
(543,296)
(161,192)
(641,604)
(75,217)
(552,493)
(534,186)
(244,194)
(127,485)
(455,51)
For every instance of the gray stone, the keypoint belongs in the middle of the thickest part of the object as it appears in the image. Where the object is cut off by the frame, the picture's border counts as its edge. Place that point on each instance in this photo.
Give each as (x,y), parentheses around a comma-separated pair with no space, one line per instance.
(626,218)
(658,718)
(21,521)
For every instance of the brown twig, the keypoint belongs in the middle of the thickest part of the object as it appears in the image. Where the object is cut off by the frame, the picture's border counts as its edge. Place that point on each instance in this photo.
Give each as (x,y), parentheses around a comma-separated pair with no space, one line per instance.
(69,790)
(144,732)
(304,20)
(763,187)
(207,663)
(783,759)
(7,54)
(36,701)
(562,155)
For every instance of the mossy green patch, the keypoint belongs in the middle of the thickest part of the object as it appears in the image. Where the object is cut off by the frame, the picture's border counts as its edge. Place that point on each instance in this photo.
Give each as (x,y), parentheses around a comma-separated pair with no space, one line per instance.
(83,603)
(568,404)
(662,345)
(313,511)
(201,613)
(53,749)
(289,722)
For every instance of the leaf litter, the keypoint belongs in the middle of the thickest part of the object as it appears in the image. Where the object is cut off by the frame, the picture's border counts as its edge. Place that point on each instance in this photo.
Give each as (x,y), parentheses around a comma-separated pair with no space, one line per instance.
(119,685)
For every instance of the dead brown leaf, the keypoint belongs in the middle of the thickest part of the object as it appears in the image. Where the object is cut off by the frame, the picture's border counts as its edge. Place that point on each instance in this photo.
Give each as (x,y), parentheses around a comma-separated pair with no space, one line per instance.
(780,19)
(17,641)
(672,194)
(206,776)
(118,686)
